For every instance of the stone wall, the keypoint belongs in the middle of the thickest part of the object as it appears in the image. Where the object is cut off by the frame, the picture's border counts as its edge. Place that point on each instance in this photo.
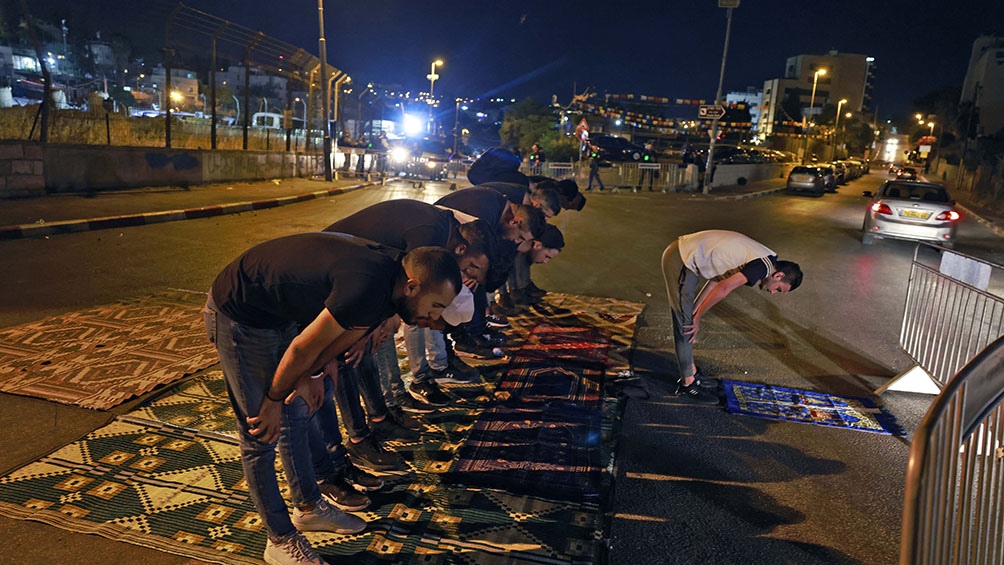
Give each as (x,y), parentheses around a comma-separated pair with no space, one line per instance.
(33,169)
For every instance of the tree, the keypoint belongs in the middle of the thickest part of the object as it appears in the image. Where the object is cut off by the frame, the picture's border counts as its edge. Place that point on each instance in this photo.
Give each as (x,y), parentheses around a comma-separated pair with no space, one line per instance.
(526,123)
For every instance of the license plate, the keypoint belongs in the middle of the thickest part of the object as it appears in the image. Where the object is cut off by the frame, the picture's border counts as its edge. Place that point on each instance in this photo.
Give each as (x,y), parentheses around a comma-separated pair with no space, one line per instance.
(915,214)
(801,178)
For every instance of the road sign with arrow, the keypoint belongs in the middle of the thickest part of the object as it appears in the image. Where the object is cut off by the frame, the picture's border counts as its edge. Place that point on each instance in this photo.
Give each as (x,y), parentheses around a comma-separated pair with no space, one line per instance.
(711,111)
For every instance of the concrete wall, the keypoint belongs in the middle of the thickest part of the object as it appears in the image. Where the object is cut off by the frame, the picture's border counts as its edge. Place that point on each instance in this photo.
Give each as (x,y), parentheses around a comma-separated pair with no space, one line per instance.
(22,170)
(33,169)
(730,174)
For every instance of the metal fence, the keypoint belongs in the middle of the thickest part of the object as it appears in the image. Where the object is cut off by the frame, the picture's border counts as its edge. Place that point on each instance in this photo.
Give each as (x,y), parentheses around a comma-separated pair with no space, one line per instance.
(953,511)
(664,177)
(954,309)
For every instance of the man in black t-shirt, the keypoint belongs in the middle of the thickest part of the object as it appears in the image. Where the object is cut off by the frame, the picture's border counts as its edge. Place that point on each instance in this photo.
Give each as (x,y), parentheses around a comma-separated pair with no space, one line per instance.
(513,222)
(280,312)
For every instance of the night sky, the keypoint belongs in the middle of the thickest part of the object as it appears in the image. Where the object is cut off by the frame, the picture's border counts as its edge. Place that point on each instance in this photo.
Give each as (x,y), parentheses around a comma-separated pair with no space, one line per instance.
(538,47)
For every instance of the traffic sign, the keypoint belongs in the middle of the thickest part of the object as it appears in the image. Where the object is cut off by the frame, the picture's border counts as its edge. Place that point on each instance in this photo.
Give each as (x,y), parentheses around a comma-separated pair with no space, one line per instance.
(711,111)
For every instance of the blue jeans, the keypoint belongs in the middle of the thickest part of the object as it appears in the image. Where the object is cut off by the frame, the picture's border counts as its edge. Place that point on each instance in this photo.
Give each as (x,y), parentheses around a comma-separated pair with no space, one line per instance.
(326,449)
(249,358)
(426,350)
(385,359)
(351,382)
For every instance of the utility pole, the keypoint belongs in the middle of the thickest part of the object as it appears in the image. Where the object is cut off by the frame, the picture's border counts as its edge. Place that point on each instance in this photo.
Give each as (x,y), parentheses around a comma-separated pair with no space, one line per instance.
(322,46)
(729,4)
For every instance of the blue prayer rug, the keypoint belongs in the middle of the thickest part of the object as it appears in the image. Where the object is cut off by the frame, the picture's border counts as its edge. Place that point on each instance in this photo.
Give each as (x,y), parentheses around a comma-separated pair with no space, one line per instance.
(809,407)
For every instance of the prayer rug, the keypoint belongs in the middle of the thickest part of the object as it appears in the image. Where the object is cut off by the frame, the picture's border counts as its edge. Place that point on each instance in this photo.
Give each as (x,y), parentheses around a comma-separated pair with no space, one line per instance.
(168,476)
(544,450)
(100,357)
(809,407)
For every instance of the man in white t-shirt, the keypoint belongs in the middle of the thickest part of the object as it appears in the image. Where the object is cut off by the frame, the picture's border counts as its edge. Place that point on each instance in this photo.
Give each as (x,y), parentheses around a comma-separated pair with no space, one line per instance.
(727,260)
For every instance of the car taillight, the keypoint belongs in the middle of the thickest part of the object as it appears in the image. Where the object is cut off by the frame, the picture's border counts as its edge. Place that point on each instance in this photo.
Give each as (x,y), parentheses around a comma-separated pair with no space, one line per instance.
(949,216)
(882,208)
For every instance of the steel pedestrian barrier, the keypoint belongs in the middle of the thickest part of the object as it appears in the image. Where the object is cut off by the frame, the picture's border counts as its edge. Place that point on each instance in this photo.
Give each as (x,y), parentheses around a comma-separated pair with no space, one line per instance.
(953,511)
(954,309)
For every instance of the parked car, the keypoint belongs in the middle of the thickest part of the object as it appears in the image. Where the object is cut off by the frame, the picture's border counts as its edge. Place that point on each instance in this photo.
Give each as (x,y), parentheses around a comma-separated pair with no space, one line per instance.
(839,172)
(906,173)
(806,179)
(829,177)
(915,211)
(613,148)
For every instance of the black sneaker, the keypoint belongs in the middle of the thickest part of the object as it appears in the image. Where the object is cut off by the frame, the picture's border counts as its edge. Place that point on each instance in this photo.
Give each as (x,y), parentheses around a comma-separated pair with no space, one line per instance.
(467,372)
(390,429)
(479,347)
(695,393)
(495,338)
(426,391)
(342,496)
(407,420)
(705,382)
(359,479)
(369,454)
(493,320)
(534,290)
(448,375)
(408,404)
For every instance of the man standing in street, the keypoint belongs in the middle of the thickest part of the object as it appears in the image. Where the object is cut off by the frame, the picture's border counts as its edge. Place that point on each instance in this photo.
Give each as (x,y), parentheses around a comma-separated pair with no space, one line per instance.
(277,314)
(727,260)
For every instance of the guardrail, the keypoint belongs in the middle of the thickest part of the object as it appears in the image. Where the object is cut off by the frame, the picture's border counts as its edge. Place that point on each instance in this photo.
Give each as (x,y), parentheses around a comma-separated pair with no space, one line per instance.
(954,505)
(954,309)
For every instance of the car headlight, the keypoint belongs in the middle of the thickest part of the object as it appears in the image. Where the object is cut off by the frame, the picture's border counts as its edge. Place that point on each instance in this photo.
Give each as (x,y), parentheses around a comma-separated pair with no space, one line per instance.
(430,164)
(399,155)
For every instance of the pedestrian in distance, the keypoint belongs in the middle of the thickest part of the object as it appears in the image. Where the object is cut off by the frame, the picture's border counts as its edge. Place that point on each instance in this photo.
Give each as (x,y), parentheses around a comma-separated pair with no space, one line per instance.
(594,172)
(727,260)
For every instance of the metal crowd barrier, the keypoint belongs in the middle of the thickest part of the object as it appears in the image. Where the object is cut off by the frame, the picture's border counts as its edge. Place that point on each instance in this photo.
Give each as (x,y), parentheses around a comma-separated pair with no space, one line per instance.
(954,507)
(954,309)
(663,177)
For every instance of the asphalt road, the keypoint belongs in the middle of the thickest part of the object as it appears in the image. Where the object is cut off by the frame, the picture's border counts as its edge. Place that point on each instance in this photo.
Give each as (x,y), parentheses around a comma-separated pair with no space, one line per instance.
(693,484)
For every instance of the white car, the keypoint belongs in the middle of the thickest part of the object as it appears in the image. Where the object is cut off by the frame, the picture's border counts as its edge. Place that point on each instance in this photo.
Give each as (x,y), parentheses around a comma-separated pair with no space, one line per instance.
(911,210)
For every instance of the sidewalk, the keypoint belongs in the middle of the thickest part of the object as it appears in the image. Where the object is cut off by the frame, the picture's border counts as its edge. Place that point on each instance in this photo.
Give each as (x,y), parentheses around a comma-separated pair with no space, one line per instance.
(70,213)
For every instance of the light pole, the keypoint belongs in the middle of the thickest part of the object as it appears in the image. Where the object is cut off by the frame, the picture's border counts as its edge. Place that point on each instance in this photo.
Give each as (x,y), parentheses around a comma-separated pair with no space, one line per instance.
(322,47)
(812,102)
(730,4)
(836,123)
(304,102)
(433,77)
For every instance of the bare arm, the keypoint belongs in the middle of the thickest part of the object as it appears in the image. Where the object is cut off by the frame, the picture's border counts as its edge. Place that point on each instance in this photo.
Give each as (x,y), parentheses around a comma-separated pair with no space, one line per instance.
(712,294)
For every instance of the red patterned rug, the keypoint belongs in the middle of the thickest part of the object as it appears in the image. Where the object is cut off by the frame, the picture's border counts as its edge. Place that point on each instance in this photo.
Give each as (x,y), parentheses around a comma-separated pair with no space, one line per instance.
(100,357)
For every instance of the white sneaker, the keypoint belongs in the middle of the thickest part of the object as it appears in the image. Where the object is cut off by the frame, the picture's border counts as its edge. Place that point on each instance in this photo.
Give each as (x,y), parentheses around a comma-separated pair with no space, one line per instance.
(326,518)
(295,549)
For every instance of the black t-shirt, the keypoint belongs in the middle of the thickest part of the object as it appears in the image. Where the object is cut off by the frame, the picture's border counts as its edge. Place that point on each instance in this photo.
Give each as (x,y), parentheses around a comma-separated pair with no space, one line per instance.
(401,224)
(480,202)
(515,193)
(291,279)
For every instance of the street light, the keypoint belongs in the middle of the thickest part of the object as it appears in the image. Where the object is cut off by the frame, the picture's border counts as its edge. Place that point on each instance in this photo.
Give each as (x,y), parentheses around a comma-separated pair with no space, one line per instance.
(709,171)
(304,102)
(836,123)
(812,102)
(432,76)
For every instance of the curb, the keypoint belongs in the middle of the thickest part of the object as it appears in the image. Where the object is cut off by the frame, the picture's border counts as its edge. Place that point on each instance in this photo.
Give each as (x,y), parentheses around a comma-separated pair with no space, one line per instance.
(749,195)
(24,231)
(998,231)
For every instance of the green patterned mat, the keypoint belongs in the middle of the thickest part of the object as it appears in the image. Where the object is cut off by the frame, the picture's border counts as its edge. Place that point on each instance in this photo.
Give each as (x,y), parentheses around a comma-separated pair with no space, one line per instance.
(168,476)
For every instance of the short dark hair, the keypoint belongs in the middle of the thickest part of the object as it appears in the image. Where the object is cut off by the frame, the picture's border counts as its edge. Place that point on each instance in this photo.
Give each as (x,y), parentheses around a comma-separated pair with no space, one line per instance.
(532,218)
(480,238)
(547,197)
(552,238)
(540,181)
(792,273)
(432,266)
